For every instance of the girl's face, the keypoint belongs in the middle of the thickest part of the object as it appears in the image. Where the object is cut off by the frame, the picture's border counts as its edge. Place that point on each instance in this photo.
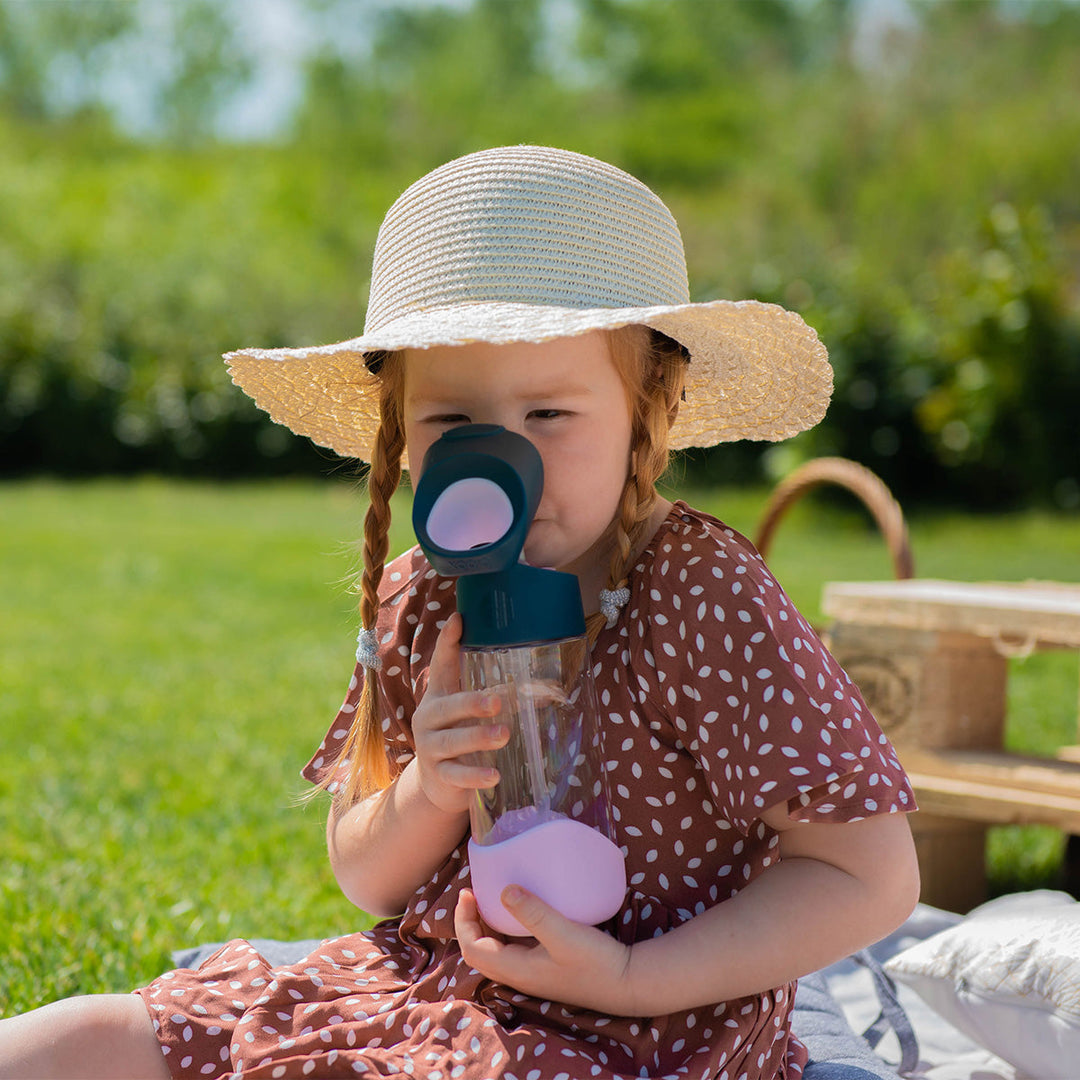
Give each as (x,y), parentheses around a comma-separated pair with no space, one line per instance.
(567,398)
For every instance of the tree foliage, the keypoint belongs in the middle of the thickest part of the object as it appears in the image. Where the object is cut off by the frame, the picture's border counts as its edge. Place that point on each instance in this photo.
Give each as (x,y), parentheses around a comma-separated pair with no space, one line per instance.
(909,186)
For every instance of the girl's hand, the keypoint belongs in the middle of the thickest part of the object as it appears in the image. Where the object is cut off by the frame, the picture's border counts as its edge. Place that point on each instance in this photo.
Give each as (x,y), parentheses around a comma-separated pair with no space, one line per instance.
(448,725)
(569,963)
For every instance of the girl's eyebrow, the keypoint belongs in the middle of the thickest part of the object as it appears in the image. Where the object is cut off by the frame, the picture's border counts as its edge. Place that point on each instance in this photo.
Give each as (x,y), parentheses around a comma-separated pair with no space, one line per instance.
(560,390)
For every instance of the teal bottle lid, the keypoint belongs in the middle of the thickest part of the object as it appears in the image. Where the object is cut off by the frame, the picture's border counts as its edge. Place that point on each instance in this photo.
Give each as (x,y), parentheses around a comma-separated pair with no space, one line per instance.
(522,605)
(478,490)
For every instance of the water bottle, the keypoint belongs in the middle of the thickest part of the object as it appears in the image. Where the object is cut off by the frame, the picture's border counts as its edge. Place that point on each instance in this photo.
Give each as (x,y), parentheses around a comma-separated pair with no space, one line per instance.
(547,824)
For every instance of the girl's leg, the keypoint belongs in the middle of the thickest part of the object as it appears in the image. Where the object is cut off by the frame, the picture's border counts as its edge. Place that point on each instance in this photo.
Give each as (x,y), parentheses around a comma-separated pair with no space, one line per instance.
(103,1036)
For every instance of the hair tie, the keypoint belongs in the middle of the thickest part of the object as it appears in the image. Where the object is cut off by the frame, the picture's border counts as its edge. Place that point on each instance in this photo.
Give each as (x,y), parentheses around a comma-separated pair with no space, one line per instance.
(611,602)
(367,649)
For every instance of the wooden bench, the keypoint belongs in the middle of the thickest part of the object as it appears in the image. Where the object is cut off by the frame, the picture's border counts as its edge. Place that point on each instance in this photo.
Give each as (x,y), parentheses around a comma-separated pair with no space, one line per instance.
(931,658)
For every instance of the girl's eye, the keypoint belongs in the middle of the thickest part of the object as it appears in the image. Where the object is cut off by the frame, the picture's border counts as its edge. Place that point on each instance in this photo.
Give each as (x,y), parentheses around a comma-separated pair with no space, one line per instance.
(449,418)
(545,414)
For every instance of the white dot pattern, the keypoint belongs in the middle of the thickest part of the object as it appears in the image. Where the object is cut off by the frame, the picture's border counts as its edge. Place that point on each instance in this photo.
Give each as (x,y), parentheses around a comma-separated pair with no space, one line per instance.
(719,702)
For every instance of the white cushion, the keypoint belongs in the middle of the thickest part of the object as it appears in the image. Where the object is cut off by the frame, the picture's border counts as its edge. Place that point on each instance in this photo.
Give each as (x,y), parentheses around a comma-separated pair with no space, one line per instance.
(1008,976)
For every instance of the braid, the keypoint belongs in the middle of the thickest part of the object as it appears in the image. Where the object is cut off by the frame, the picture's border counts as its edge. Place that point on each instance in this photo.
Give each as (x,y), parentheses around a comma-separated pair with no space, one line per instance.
(653,368)
(363,748)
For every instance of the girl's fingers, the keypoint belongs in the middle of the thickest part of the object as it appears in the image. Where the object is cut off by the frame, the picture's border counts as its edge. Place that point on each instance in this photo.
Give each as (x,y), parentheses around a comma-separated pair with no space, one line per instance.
(471,738)
(472,777)
(452,729)
(467,924)
(458,718)
(444,675)
(444,680)
(464,757)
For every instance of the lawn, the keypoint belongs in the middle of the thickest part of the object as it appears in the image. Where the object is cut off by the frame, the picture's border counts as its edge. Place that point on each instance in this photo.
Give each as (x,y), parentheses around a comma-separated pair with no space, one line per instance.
(171,654)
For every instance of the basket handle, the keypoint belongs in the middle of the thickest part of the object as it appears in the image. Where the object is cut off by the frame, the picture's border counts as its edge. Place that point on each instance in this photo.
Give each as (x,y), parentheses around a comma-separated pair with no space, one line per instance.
(860,481)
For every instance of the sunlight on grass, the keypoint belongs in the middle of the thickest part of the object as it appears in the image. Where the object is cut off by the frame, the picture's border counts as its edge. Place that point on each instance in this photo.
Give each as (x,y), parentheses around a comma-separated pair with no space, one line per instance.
(170,655)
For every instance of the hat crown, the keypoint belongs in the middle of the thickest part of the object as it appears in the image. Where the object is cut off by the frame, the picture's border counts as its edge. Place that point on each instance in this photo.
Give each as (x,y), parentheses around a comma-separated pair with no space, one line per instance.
(526,225)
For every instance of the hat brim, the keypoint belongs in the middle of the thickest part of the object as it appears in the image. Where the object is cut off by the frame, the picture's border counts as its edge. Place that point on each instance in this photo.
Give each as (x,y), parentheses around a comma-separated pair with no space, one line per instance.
(757,371)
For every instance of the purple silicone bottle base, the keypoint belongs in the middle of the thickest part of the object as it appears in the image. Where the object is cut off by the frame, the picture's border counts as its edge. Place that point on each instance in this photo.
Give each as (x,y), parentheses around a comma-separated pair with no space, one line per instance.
(572,867)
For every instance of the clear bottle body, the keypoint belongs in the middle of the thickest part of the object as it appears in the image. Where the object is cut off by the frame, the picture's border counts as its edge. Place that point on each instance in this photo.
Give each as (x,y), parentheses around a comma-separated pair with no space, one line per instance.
(547,824)
(553,762)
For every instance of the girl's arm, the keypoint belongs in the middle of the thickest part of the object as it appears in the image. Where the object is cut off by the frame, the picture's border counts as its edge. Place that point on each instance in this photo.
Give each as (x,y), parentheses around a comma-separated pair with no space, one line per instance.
(835,889)
(383,848)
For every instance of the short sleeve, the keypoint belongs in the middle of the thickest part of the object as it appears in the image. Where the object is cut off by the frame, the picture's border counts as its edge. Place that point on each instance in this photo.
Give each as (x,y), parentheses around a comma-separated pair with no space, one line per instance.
(754,693)
(414,606)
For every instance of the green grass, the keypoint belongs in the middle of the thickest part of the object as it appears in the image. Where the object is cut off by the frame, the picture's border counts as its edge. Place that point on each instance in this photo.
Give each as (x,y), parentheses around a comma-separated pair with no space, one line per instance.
(171,653)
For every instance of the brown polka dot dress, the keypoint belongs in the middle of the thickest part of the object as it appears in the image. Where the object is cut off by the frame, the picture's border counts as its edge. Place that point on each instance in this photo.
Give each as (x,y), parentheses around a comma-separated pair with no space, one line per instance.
(719,702)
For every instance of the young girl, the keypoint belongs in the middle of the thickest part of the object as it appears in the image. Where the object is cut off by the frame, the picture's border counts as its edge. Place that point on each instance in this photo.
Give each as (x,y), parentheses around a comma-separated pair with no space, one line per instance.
(759,806)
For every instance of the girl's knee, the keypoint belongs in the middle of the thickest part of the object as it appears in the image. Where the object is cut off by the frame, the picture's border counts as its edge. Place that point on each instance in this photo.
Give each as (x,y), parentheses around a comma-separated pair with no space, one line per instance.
(103,1035)
(117,1015)
(93,1018)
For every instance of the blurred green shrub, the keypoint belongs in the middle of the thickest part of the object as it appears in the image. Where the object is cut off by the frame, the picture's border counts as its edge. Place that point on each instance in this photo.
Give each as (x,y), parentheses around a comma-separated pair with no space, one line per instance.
(126,273)
(965,386)
(910,188)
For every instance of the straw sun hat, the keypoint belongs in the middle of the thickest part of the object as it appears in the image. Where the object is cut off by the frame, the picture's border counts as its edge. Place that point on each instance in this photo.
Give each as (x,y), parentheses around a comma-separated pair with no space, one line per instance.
(529,243)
